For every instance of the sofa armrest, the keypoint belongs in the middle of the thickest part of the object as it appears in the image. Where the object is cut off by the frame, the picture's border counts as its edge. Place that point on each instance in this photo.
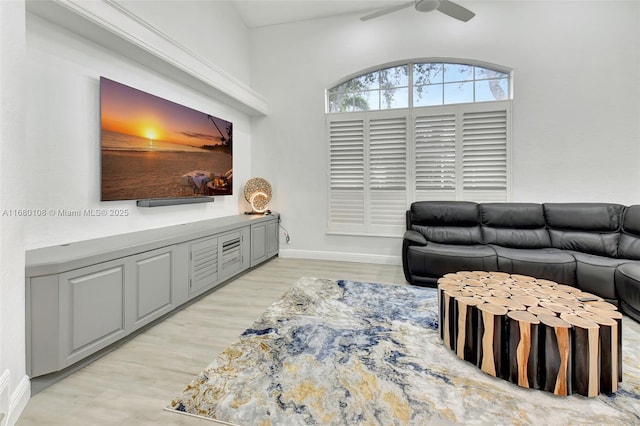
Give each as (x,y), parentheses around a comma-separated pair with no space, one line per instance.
(414,238)
(411,238)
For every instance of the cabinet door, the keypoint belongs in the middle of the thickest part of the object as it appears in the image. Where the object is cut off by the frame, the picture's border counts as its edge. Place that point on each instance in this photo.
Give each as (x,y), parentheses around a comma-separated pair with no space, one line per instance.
(150,286)
(258,243)
(273,240)
(203,272)
(92,312)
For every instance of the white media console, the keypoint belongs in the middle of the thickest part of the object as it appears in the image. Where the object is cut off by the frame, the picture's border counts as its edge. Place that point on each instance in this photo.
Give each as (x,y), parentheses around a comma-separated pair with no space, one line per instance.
(84,297)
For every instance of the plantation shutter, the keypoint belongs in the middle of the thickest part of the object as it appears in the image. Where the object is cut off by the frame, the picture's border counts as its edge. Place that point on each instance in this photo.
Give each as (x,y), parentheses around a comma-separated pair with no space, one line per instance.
(379,161)
(435,157)
(484,155)
(387,201)
(346,175)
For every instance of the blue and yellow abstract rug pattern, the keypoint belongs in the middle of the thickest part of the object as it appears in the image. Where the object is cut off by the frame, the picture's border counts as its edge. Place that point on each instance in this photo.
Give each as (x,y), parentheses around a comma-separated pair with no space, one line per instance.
(350,353)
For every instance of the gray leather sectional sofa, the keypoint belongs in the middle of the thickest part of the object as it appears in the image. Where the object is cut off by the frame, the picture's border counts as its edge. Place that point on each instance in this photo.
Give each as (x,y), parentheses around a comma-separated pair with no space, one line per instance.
(592,246)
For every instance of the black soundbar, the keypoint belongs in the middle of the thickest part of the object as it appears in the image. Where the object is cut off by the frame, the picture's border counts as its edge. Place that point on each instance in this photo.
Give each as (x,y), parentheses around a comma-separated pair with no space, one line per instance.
(159,202)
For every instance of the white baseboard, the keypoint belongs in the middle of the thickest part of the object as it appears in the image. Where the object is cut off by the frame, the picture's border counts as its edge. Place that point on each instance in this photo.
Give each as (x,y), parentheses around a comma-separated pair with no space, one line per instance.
(340,257)
(18,401)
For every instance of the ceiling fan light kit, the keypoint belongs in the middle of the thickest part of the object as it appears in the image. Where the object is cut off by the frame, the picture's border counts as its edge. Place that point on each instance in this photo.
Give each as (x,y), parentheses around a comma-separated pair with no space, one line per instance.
(447,7)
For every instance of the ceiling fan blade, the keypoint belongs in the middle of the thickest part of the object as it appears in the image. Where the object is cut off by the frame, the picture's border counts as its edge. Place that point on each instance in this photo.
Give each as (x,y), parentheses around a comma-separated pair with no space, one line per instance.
(387,10)
(455,10)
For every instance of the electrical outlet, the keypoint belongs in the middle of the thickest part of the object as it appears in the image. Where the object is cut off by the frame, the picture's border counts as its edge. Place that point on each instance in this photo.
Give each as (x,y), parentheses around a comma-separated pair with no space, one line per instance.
(287,238)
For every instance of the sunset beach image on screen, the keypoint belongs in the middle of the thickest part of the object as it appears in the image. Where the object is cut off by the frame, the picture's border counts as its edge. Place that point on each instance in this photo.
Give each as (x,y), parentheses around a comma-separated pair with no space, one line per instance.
(154,148)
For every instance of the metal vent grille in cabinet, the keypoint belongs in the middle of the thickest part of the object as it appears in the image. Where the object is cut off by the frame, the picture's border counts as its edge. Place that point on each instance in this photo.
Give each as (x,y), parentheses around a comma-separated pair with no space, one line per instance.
(231,248)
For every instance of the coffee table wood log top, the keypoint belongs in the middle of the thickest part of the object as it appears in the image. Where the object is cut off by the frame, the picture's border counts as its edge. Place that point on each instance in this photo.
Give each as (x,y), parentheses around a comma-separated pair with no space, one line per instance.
(533,332)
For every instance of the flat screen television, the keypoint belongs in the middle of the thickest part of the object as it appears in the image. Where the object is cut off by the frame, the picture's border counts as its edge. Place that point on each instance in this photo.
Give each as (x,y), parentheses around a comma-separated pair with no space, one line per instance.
(155,149)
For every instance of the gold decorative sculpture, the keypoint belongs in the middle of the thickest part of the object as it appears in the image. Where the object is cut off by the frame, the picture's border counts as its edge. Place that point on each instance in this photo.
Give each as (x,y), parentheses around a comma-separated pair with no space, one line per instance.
(257,192)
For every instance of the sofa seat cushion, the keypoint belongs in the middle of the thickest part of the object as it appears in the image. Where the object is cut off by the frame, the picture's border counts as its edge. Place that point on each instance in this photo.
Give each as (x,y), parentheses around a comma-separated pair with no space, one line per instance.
(434,260)
(628,288)
(548,263)
(596,274)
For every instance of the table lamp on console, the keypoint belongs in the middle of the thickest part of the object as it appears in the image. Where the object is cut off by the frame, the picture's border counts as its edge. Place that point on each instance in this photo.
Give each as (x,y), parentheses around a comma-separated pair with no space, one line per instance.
(257,192)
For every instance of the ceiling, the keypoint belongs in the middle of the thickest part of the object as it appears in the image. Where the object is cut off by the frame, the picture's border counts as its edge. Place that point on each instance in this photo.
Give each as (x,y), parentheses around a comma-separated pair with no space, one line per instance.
(261,13)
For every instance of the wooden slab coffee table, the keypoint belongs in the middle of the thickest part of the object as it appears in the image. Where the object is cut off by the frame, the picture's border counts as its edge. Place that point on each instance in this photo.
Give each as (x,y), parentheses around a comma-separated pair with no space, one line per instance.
(535,333)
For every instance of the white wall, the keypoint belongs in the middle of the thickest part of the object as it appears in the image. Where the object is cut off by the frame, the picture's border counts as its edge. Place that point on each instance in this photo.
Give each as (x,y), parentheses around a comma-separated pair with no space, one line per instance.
(575,110)
(14,384)
(211,29)
(63,142)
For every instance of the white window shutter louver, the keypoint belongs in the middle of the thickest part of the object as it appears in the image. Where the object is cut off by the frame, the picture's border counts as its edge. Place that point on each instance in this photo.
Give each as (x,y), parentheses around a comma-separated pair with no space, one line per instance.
(379,161)
(387,175)
(435,157)
(346,175)
(484,155)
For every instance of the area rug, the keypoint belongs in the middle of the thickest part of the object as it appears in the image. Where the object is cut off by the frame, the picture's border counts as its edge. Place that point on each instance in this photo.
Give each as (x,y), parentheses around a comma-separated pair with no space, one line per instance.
(351,353)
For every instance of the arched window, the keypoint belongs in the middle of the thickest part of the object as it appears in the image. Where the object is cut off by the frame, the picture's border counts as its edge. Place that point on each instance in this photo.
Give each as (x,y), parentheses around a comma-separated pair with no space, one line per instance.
(419,84)
(422,130)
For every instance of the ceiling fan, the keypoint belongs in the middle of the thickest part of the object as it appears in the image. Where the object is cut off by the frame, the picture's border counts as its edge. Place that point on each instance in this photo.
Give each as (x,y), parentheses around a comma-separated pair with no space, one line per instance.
(445,6)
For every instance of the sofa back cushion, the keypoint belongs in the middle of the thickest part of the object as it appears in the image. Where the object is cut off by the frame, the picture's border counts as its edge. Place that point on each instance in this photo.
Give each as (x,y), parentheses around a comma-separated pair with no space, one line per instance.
(449,222)
(586,227)
(515,225)
(629,247)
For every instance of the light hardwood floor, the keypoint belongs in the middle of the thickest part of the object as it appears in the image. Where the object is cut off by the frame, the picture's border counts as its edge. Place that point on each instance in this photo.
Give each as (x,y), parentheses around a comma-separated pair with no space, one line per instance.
(132,384)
